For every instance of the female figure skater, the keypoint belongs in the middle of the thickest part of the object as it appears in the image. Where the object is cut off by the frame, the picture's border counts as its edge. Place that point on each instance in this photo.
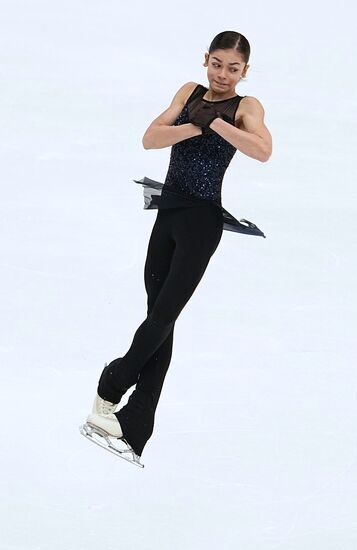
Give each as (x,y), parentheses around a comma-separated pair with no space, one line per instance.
(205,127)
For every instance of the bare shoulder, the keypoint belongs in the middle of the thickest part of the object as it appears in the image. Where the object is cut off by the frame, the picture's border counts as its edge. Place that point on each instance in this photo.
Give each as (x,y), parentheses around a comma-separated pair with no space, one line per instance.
(169,115)
(184,92)
(249,106)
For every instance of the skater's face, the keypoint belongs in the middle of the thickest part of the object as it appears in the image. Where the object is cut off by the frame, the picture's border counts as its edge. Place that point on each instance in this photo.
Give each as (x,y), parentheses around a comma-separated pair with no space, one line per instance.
(225,68)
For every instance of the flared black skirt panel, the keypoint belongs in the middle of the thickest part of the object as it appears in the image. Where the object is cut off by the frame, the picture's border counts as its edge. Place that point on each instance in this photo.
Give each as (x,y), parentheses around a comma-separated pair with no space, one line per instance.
(158,195)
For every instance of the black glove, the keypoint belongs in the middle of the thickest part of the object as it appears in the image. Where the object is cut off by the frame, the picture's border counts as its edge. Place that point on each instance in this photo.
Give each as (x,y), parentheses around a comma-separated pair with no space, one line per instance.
(203,115)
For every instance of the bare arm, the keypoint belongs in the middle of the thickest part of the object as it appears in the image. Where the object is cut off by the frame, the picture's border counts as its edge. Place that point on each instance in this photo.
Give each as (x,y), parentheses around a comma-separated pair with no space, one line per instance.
(161,132)
(255,140)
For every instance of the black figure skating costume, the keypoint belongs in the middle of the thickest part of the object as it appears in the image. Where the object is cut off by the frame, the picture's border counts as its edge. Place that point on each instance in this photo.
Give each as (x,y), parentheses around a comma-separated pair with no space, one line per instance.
(187,230)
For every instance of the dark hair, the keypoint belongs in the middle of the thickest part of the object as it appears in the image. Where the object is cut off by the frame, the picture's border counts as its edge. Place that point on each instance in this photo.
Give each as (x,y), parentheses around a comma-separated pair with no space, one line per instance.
(231,39)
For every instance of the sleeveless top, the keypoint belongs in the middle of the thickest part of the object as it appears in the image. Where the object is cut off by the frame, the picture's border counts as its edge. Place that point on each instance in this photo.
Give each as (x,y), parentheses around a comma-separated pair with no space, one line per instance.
(197,167)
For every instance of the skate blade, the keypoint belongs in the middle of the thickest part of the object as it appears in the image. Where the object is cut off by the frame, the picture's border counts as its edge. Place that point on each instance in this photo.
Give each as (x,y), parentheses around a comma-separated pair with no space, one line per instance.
(105,440)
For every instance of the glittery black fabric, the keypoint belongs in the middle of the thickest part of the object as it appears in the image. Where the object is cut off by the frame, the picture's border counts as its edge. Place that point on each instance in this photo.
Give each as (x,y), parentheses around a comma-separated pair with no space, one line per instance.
(197,167)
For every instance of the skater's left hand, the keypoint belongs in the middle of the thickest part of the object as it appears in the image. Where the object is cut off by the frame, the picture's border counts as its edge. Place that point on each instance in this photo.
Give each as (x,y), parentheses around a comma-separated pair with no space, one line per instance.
(203,116)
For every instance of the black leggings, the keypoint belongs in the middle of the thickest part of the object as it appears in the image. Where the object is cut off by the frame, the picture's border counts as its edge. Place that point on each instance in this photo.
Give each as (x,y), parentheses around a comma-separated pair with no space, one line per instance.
(180,247)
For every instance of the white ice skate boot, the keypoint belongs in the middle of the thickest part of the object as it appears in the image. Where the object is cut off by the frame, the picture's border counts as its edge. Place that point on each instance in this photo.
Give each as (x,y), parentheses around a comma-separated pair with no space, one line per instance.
(109,423)
(100,406)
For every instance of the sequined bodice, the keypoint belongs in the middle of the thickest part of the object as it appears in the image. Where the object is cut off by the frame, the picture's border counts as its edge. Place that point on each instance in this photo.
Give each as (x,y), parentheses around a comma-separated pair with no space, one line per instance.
(198,164)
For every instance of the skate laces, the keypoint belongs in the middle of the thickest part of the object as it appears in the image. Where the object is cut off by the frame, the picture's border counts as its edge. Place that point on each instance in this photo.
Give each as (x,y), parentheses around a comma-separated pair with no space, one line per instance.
(106,406)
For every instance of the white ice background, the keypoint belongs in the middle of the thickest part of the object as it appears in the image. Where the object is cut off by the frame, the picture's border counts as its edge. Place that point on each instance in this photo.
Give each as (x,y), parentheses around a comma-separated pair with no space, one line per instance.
(255,437)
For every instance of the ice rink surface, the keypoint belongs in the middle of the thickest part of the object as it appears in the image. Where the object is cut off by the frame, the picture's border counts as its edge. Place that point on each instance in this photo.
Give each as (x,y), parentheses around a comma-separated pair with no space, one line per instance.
(254,445)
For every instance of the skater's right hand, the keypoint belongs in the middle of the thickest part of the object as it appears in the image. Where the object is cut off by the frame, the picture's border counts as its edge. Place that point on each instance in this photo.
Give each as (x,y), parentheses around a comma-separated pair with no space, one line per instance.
(203,114)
